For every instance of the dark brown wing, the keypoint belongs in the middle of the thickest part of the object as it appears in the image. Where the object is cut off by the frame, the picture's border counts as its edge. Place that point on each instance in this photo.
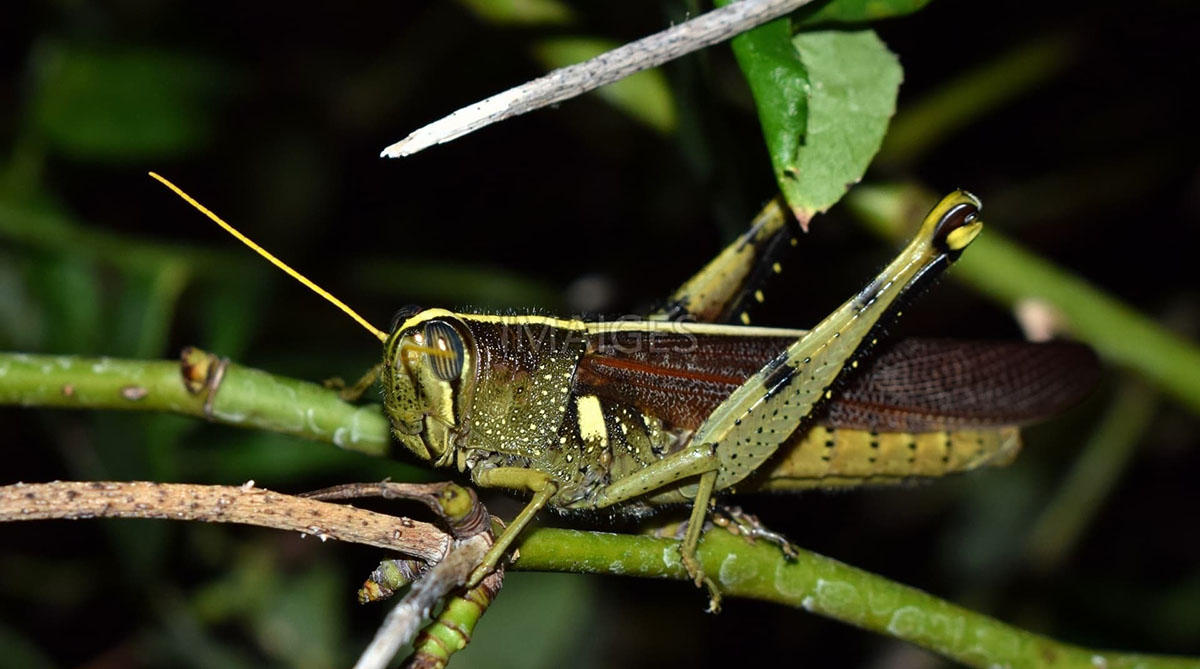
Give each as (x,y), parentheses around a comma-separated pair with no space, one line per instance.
(921,384)
(915,385)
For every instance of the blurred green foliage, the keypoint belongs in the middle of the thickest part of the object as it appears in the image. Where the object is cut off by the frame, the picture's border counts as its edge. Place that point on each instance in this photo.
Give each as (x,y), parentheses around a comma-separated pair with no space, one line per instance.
(276,125)
(121,105)
(518,12)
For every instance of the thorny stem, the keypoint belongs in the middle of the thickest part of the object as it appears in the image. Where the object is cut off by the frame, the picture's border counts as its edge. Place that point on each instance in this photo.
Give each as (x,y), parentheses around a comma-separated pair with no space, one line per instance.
(760,571)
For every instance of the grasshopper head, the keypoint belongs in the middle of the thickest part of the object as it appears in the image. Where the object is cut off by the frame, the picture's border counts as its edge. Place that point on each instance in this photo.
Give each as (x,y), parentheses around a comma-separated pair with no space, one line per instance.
(428,358)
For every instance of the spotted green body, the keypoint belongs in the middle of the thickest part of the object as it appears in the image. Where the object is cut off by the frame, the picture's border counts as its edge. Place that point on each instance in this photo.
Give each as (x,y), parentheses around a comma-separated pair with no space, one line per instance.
(626,415)
(496,397)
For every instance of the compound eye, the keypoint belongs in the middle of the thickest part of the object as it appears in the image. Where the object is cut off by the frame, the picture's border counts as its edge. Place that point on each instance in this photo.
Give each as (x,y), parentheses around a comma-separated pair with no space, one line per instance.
(447,361)
(403,314)
(949,234)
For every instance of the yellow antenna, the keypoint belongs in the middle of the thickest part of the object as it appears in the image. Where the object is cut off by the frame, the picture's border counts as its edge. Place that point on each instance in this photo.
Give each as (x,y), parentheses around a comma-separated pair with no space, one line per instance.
(379,334)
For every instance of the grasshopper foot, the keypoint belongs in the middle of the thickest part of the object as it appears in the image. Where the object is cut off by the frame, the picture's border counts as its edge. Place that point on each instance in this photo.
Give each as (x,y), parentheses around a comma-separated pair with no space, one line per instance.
(747,525)
(345,393)
(354,392)
(696,572)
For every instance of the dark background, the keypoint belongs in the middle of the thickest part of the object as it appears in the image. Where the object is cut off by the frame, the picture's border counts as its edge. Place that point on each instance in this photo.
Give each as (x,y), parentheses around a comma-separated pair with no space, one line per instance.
(273,115)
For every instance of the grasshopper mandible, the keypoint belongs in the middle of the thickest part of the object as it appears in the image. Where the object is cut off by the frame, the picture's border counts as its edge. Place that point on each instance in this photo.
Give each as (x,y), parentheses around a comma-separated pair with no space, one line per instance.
(634,414)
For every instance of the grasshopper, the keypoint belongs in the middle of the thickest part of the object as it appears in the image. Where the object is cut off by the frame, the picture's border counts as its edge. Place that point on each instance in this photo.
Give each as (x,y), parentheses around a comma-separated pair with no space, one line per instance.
(631,415)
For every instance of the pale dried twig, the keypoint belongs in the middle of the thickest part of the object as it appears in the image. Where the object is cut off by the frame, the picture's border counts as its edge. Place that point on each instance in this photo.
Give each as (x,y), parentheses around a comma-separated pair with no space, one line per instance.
(469,525)
(454,558)
(564,83)
(245,504)
(404,621)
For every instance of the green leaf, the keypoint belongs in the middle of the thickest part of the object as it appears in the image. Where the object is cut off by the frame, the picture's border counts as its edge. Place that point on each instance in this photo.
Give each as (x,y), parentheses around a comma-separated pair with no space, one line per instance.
(304,624)
(19,651)
(231,309)
(645,96)
(520,12)
(566,612)
(21,320)
(856,11)
(101,105)
(68,288)
(984,89)
(146,308)
(275,459)
(297,616)
(779,83)
(854,80)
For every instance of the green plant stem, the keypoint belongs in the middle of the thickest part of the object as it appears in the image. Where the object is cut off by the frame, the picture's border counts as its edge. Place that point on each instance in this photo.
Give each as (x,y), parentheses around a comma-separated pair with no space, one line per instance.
(450,632)
(252,398)
(1094,474)
(924,125)
(245,397)
(1009,273)
(44,229)
(826,587)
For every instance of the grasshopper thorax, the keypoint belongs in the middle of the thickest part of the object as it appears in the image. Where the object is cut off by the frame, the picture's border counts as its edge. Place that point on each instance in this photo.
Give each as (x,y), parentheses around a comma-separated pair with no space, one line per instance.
(428,359)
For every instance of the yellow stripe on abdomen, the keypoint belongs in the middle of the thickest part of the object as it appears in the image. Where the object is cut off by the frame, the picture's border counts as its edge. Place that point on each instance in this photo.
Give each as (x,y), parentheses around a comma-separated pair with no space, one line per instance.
(826,457)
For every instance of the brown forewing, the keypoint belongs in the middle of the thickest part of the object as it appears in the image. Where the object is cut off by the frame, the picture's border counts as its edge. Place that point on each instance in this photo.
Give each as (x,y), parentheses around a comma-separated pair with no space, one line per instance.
(914,385)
